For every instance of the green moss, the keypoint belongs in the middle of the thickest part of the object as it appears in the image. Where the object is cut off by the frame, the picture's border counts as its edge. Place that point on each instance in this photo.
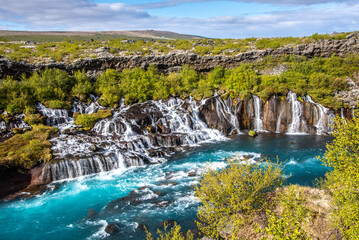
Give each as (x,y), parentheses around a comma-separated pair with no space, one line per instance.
(252,133)
(34,119)
(87,121)
(24,151)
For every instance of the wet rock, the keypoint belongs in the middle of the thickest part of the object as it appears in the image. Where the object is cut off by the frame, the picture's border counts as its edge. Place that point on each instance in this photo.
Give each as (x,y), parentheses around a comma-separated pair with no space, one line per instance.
(158,193)
(161,204)
(93,148)
(191,173)
(69,131)
(140,227)
(143,188)
(112,228)
(168,223)
(168,183)
(248,156)
(91,213)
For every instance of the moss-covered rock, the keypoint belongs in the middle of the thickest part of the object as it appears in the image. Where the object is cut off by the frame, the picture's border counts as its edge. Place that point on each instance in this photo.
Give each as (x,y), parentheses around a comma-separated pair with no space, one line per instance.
(252,133)
(24,151)
(87,121)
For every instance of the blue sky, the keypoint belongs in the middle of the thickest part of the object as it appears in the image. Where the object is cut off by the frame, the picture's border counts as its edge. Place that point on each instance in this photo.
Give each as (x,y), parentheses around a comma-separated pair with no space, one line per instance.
(211,18)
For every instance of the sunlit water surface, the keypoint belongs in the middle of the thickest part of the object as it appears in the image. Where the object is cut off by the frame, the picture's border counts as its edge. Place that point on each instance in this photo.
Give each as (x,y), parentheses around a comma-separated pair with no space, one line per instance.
(63,213)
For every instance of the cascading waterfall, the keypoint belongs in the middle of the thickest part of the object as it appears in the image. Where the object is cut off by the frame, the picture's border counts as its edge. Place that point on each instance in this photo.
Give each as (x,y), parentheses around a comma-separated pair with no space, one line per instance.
(18,122)
(258,122)
(54,117)
(296,109)
(324,118)
(84,166)
(123,136)
(147,133)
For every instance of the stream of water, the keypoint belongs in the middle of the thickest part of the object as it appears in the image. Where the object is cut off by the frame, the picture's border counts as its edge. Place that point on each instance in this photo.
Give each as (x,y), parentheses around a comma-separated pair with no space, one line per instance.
(81,208)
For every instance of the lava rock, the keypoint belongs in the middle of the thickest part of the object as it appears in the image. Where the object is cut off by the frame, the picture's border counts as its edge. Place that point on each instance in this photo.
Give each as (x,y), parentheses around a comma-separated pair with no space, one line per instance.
(112,228)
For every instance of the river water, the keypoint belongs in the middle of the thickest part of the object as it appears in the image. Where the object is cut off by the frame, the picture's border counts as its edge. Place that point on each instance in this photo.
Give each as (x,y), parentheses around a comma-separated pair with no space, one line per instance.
(81,208)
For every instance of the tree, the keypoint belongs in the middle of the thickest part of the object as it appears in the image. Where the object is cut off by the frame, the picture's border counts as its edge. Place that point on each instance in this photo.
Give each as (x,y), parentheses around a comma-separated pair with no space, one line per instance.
(233,194)
(343,156)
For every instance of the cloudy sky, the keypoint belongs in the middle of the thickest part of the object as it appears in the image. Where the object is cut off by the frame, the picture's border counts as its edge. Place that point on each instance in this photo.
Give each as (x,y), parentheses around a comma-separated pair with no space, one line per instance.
(210,18)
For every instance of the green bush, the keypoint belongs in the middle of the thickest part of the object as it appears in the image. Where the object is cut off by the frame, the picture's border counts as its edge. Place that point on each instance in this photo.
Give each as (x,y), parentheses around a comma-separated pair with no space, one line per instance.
(230,196)
(25,151)
(87,121)
(343,181)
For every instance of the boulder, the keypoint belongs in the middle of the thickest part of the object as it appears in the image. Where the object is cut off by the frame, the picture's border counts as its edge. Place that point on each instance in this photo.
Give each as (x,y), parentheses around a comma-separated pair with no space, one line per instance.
(112,228)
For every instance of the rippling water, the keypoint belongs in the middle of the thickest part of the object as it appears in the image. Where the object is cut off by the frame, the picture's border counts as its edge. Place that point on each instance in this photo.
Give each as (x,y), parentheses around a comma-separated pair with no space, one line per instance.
(166,193)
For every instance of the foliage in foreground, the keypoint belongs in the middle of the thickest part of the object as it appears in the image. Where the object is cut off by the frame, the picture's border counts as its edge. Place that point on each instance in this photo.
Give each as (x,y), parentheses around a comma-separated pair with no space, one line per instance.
(24,151)
(173,233)
(87,121)
(232,195)
(343,156)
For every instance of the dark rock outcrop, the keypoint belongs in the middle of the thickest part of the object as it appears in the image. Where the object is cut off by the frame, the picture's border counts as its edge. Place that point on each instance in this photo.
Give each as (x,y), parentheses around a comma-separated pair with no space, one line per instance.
(171,61)
(112,228)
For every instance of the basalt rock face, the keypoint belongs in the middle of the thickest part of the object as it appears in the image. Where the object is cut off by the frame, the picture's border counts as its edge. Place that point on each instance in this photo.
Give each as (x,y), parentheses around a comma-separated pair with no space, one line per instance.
(172,61)
(275,115)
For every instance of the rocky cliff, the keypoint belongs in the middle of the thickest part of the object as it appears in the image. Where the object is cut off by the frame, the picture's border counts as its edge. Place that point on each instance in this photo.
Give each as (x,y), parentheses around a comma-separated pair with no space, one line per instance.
(173,61)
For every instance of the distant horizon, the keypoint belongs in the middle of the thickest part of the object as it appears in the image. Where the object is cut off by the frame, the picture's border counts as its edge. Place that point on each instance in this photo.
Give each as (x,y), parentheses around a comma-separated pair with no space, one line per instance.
(208,18)
(73,33)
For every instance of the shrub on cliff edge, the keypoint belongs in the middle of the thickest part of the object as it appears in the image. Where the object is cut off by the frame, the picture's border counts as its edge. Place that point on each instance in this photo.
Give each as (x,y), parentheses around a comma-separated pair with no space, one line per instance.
(24,151)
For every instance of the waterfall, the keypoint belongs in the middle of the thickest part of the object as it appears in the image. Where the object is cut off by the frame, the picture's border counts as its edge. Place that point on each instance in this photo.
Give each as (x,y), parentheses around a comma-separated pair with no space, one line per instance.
(17,121)
(258,123)
(148,132)
(87,108)
(3,125)
(324,118)
(137,134)
(296,110)
(54,117)
(84,166)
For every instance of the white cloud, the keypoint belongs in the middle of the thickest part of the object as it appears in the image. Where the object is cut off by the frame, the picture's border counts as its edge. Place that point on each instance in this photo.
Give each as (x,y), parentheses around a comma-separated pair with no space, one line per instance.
(171,3)
(84,15)
(68,13)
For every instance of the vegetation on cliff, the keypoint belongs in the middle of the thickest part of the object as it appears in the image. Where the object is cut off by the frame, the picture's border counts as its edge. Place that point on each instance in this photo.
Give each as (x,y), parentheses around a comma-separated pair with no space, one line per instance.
(318,77)
(87,121)
(71,50)
(25,151)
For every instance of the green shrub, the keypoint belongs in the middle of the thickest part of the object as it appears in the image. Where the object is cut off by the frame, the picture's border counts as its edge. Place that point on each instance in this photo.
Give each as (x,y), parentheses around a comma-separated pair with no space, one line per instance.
(294,214)
(87,121)
(24,151)
(174,233)
(34,119)
(230,196)
(343,181)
